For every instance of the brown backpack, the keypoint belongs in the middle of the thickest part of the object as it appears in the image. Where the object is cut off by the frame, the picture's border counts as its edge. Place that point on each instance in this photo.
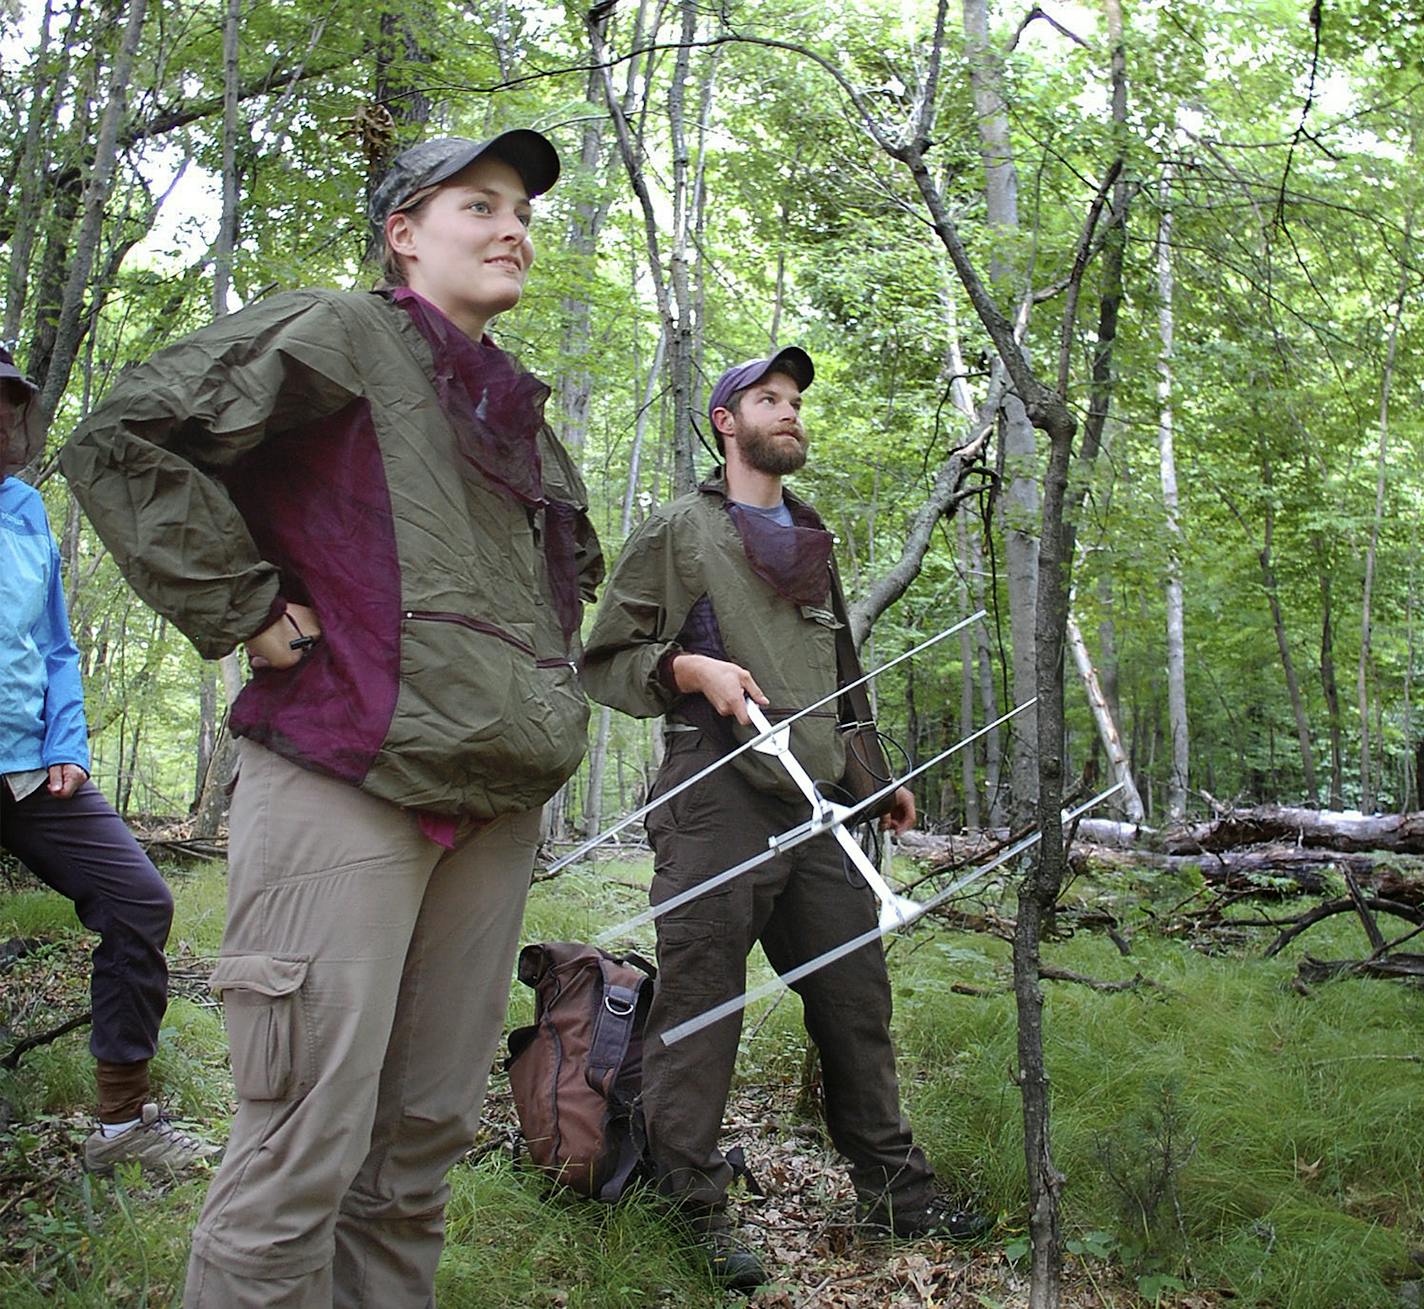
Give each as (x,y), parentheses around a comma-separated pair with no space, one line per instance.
(576,1072)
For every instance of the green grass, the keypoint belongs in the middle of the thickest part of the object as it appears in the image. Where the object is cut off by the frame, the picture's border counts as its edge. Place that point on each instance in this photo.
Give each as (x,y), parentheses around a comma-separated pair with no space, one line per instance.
(1304,1185)
(36,913)
(509,1244)
(1301,1144)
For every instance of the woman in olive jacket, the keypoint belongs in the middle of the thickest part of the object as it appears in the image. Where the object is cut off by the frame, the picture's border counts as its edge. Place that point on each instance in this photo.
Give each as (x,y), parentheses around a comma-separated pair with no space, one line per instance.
(362,488)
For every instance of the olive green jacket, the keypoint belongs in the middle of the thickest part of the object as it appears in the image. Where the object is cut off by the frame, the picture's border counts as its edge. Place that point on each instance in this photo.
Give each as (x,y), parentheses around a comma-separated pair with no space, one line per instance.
(297,450)
(687,549)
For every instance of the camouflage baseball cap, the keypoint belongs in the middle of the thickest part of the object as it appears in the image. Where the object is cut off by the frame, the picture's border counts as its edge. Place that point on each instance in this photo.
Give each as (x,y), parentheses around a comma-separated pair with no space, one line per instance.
(431,162)
(12,376)
(21,432)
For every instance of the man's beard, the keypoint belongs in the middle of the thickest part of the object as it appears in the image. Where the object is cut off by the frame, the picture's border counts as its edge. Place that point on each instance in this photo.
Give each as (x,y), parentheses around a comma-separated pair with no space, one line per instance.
(769,454)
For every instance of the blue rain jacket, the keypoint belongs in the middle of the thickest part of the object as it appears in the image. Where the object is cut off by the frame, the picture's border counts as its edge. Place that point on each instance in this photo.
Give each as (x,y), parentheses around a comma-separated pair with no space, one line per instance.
(41,695)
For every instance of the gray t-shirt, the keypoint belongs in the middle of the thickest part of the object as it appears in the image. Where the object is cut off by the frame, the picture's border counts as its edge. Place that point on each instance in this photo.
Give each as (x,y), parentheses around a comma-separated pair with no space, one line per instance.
(779,513)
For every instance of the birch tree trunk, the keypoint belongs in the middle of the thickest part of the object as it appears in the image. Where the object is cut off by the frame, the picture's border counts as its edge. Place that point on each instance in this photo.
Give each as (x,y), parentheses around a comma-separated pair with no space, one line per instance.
(1107,729)
(1176,633)
(1367,785)
(672,305)
(1019,505)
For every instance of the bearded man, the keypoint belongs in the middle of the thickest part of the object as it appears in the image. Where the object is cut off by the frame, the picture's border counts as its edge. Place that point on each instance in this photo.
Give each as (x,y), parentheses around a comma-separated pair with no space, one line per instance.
(730,593)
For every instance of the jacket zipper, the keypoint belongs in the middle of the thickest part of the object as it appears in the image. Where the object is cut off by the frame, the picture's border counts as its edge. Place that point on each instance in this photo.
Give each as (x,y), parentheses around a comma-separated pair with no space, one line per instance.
(489,629)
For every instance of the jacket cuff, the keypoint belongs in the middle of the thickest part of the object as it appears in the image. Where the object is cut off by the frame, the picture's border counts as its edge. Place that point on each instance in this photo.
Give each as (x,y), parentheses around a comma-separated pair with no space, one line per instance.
(275,610)
(665,674)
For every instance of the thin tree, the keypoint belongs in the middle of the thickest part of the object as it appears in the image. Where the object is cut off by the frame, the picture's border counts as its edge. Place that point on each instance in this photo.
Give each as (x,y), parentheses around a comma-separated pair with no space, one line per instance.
(97,190)
(1172,584)
(1367,780)
(216,749)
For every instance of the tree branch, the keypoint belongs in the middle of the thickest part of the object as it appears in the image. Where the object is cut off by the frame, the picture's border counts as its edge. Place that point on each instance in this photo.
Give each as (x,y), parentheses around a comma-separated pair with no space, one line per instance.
(1075,277)
(12,1058)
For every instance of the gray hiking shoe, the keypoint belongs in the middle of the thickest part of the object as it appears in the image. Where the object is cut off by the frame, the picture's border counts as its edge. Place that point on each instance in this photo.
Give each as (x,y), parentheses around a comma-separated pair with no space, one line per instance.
(154,1142)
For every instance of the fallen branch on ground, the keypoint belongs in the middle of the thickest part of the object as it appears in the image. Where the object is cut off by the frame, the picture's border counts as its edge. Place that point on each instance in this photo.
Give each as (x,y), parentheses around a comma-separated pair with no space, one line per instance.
(11,1061)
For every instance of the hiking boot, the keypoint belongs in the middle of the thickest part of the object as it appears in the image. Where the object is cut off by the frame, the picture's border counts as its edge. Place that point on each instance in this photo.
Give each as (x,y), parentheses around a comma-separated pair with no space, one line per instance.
(934,1217)
(733,1266)
(153,1141)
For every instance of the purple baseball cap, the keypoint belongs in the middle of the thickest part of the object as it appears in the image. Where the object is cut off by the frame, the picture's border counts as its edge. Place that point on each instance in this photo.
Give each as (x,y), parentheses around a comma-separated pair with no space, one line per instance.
(793,361)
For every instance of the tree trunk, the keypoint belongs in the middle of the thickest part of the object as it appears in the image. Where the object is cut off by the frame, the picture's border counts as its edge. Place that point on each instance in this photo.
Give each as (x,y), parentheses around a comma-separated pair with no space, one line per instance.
(966,692)
(217,751)
(640,427)
(1329,685)
(680,344)
(1268,577)
(1107,728)
(401,74)
(1310,828)
(34,161)
(1409,788)
(597,758)
(1367,785)
(631,151)
(70,325)
(1019,505)
(585,225)
(1176,633)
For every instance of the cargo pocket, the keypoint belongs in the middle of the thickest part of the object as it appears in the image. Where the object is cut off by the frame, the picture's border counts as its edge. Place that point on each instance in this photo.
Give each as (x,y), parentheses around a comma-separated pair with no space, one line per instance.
(267,1027)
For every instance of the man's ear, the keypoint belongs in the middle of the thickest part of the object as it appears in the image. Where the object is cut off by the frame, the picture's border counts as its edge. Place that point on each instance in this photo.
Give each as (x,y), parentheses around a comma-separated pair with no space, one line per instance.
(723,420)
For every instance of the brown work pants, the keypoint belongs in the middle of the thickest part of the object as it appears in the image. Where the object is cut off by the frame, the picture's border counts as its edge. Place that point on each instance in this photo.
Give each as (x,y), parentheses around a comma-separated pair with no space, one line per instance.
(364,973)
(797,905)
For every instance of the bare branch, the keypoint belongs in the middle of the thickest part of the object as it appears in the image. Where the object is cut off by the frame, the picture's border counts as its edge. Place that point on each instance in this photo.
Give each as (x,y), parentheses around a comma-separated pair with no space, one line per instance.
(1075,277)
(1036,12)
(16,1052)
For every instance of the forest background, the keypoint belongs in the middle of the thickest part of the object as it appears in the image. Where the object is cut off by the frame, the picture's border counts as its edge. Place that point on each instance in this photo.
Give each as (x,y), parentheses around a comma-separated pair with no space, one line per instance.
(1260,441)
(1198,218)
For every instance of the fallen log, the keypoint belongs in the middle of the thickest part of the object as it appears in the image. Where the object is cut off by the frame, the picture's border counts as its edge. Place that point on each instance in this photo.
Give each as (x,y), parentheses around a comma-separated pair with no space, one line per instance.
(1395,967)
(1245,869)
(1392,877)
(1321,829)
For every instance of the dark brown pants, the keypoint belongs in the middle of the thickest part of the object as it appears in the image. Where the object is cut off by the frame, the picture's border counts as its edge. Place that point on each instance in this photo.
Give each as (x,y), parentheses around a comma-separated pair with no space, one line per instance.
(797,905)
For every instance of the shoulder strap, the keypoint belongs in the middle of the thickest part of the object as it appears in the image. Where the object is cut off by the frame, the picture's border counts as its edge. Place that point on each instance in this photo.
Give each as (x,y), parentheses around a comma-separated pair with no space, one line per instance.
(613,1024)
(855,708)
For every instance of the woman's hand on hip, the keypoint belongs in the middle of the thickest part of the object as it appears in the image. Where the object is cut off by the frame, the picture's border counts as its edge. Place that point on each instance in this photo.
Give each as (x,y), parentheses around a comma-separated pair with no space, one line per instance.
(285,642)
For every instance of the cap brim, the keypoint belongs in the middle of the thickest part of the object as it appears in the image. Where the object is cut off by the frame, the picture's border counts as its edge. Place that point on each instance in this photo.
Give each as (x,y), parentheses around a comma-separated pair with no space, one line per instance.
(794,362)
(529,153)
(10,376)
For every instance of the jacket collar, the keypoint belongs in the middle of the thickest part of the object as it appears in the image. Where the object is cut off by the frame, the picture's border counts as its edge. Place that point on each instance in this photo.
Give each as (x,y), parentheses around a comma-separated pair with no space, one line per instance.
(802,514)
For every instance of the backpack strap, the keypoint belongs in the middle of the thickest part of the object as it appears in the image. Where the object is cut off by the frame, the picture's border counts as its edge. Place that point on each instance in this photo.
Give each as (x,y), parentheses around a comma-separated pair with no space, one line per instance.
(613,1030)
(613,1024)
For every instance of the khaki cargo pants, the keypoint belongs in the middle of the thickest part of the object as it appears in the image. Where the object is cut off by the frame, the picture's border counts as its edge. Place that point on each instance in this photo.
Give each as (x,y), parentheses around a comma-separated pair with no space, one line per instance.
(797,905)
(364,974)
